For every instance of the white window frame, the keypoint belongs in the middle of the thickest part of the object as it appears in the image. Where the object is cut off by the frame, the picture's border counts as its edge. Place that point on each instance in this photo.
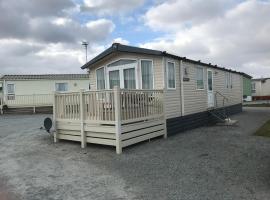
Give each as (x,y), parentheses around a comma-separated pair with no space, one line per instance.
(199,67)
(105,79)
(167,74)
(227,80)
(152,62)
(121,72)
(8,93)
(61,83)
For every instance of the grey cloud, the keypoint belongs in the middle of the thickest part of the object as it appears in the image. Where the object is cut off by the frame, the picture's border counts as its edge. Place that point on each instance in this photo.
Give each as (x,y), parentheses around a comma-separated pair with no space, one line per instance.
(109,7)
(37,8)
(239,38)
(34,20)
(177,14)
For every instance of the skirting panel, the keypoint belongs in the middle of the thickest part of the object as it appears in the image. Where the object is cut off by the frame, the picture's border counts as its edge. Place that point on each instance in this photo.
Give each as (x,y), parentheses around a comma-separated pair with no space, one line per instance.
(180,124)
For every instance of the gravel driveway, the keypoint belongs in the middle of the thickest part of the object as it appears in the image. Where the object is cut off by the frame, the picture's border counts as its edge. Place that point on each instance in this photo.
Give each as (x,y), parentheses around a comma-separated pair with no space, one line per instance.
(205,163)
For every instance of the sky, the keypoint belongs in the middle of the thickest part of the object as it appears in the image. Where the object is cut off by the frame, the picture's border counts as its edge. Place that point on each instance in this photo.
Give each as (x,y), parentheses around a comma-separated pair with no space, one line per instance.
(44,36)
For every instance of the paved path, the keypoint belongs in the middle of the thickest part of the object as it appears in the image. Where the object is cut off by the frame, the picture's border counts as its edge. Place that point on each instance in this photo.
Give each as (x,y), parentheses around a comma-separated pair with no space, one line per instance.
(205,163)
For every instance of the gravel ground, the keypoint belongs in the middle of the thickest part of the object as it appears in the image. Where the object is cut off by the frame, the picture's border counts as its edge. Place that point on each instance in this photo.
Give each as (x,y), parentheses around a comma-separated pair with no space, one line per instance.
(205,163)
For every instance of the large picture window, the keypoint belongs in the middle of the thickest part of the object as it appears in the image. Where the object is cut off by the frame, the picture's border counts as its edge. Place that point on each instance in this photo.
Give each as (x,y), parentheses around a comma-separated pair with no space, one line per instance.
(199,78)
(170,75)
(100,78)
(147,74)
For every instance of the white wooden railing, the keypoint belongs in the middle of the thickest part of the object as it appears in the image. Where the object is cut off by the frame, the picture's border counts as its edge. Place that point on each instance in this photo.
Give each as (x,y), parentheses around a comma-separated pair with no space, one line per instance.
(101,105)
(29,100)
(111,117)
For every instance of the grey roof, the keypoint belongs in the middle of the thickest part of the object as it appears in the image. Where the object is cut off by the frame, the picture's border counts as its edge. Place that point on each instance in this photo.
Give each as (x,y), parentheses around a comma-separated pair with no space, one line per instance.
(116,47)
(45,77)
(260,79)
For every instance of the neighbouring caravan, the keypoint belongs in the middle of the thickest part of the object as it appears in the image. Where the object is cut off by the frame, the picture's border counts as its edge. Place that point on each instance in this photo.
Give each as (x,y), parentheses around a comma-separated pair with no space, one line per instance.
(261,89)
(35,92)
(137,94)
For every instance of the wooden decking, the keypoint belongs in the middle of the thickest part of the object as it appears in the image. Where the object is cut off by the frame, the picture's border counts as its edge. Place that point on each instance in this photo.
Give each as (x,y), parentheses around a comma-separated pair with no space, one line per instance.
(110,117)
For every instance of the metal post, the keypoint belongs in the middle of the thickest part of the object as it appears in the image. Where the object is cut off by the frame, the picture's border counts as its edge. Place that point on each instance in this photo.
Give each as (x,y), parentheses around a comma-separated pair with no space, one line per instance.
(117,105)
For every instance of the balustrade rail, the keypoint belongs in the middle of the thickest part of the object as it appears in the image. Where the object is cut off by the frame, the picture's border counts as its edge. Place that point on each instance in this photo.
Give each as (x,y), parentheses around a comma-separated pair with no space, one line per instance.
(101,105)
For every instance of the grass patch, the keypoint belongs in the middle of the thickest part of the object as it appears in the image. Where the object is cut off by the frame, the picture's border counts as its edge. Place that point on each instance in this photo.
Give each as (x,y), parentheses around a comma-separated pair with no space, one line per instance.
(264,130)
(257,105)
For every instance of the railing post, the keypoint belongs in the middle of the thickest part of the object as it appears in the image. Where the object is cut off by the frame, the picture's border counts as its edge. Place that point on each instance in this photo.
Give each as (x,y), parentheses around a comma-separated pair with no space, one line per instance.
(117,100)
(164,115)
(34,107)
(83,136)
(55,134)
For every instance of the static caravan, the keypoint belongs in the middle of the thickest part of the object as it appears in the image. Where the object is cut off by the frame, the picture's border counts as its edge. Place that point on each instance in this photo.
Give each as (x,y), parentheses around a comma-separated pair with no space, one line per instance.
(261,89)
(141,93)
(34,92)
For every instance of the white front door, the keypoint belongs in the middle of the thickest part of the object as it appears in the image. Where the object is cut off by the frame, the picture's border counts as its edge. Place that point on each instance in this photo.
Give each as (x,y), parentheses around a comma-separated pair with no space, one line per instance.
(210,92)
(123,76)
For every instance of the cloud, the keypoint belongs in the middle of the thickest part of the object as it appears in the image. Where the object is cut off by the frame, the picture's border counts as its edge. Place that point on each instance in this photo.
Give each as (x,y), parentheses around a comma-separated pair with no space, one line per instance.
(109,7)
(121,41)
(24,57)
(178,14)
(235,37)
(45,36)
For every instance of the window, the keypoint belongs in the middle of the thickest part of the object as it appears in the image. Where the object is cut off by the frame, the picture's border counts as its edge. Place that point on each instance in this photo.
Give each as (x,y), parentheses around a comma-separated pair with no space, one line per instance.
(129,78)
(147,74)
(122,73)
(121,62)
(114,78)
(253,87)
(100,78)
(61,87)
(199,78)
(10,89)
(228,80)
(170,75)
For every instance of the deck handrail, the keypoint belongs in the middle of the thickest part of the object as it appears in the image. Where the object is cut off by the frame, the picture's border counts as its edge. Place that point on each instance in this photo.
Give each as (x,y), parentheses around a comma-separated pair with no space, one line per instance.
(100,105)
(28,100)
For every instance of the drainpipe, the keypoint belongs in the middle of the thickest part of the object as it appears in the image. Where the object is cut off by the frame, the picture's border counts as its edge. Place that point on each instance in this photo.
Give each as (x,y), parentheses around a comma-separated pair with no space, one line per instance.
(182,89)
